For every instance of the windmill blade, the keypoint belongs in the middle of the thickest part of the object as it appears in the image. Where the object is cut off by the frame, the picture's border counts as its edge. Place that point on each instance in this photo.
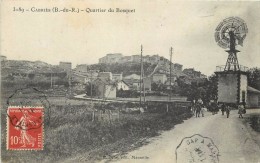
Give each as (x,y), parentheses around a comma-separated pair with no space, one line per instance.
(239,40)
(242,40)
(226,28)
(223,45)
(226,40)
(239,19)
(228,19)
(242,28)
(217,36)
(224,35)
(219,26)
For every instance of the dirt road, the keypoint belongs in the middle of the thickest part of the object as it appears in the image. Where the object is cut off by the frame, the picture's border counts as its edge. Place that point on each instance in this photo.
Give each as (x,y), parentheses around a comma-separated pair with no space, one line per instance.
(234,139)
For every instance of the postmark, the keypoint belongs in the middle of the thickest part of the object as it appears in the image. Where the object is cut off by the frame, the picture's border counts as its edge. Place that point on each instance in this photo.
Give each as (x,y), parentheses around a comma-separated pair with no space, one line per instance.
(197,149)
(25,128)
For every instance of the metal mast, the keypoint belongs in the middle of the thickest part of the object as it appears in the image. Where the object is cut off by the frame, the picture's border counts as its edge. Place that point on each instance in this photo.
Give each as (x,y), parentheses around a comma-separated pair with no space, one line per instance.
(91,72)
(170,73)
(232,61)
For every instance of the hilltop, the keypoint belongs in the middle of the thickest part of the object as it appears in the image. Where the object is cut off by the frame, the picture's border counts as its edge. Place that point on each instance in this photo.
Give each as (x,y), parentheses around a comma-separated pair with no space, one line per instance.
(28,67)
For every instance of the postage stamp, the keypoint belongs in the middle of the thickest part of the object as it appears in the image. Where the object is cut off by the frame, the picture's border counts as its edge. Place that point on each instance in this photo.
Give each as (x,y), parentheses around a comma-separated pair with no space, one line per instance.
(197,149)
(25,128)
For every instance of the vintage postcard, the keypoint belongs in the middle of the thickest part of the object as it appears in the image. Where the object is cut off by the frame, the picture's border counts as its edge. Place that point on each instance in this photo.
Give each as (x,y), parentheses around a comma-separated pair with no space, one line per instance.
(130,81)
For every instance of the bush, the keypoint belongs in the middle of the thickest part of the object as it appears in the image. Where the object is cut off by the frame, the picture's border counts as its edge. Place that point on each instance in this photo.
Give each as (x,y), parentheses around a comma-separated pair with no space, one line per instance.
(127,93)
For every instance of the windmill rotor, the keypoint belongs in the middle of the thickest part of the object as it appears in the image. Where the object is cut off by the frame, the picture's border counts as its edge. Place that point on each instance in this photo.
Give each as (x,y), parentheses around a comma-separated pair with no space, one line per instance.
(234,26)
(228,34)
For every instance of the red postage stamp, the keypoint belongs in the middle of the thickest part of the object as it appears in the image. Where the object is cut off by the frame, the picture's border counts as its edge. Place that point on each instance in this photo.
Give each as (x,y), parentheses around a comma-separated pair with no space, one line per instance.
(25,128)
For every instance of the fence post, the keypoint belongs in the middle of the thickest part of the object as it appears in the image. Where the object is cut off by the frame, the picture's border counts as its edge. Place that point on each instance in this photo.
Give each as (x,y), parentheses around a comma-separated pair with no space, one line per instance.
(110,116)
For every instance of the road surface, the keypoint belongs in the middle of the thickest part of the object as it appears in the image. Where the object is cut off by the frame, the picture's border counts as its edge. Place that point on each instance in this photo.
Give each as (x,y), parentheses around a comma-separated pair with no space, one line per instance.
(235,140)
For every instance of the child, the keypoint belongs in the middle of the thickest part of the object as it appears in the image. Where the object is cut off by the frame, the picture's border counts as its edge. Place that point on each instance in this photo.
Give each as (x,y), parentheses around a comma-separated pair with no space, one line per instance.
(228,111)
(241,110)
(203,109)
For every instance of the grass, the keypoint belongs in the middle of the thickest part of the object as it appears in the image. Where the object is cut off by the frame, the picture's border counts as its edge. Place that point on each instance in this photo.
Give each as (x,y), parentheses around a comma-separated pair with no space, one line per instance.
(71,135)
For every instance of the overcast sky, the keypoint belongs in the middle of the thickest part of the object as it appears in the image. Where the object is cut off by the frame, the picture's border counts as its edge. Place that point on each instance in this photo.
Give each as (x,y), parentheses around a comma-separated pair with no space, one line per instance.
(83,38)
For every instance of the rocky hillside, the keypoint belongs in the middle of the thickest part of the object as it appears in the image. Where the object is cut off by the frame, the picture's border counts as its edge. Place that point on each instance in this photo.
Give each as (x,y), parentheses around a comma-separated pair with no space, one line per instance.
(27,67)
(134,68)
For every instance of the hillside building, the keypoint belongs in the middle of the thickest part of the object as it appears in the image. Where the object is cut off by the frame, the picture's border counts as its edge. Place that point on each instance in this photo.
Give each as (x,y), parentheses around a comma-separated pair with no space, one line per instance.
(133,77)
(66,66)
(147,84)
(105,89)
(192,73)
(177,67)
(117,77)
(111,58)
(105,75)
(81,69)
(122,85)
(159,78)
(253,97)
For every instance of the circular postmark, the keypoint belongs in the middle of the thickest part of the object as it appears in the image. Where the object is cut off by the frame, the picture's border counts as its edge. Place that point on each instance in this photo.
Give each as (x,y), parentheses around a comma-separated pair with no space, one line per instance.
(29,98)
(196,149)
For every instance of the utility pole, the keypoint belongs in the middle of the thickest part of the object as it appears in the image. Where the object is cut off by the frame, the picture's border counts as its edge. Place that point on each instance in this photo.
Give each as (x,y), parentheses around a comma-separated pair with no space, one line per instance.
(170,73)
(141,64)
(142,74)
(91,86)
(70,87)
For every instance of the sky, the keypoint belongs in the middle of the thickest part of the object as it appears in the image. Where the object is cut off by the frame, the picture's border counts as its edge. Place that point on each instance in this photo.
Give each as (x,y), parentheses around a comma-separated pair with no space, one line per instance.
(83,38)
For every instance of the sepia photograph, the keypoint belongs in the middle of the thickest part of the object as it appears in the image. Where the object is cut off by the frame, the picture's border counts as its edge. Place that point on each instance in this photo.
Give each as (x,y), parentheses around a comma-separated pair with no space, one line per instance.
(130,81)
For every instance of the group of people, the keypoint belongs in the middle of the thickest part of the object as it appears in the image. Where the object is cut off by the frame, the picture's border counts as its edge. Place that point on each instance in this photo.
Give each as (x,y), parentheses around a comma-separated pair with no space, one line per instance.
(241,109)
(199,109)
(226,109)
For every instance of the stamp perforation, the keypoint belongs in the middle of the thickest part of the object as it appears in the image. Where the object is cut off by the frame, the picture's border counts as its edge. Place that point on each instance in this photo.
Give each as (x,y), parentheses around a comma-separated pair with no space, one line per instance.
(41,128)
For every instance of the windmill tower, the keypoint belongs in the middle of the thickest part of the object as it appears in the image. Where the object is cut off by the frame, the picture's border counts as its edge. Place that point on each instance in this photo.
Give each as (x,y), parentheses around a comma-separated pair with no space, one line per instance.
(232,77)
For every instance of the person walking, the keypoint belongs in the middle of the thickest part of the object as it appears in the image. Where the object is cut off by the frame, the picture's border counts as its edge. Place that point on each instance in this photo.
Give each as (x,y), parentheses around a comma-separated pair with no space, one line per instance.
(198,109)
(228,111)
(203,109)
(223,108)
(241,110)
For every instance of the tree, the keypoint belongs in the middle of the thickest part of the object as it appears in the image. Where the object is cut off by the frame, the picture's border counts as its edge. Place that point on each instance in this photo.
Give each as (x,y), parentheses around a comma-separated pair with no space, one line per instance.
(159,87)
(254,77)
(94,89)
(31,76)
(205,90)
(212,88)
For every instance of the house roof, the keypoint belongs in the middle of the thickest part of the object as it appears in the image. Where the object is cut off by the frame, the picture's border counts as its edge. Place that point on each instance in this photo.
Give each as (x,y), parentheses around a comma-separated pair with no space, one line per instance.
(104,81)
(253,90)
(124,82)
(130,82)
